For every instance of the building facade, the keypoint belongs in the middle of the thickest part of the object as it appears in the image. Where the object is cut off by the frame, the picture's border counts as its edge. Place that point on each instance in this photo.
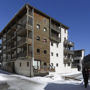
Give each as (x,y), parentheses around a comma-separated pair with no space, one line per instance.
(34,43)
(78,58)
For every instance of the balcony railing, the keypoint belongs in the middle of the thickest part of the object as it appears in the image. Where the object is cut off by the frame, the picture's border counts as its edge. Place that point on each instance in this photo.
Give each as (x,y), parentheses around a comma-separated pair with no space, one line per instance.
(29,27)
(69,43)
(67,51)
(22,54)
(20,30)
(8,47)
(14,56)
(55,38)
(56,28)
(23,41)
(66,61)
(4,41)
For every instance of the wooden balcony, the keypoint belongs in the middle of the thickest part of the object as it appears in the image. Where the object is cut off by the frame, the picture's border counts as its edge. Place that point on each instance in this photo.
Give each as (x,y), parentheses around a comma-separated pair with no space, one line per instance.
(14,55)
(66,60)
(57,29)
(68,43)
(24,41)
(22,54)
(67,51)
(29,27)
(54,38)
(21,31)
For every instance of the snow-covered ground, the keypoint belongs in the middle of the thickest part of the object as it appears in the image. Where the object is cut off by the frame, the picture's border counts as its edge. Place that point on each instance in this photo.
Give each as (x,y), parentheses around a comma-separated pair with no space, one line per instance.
(53,81)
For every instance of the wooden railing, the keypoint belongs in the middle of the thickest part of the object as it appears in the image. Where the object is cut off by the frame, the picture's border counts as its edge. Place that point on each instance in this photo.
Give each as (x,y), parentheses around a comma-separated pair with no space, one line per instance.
(54,37)
(56,28)
(67,51)
(66,42)
(23,41)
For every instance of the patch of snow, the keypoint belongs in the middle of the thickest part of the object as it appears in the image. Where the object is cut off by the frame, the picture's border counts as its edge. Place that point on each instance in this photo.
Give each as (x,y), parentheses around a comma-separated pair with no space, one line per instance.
(50,82)
(2,78)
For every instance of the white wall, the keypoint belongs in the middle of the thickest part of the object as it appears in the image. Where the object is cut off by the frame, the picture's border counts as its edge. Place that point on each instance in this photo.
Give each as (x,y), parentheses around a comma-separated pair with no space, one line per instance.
(60,59)
(54,49)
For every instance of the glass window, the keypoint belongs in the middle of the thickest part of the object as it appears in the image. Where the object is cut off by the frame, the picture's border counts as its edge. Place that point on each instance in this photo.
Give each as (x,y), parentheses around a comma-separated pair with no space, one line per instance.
(57,54)
(57,64)
(51,53)
(51,43)
(45,40)
(38,50)
(30,21)
(45,29)
(38,26)
(45,51)
(27,64)
(38,38)
(36,64)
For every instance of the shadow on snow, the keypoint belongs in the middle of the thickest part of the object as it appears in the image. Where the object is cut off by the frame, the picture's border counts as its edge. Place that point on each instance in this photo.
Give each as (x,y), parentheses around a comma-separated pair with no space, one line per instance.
(53,86)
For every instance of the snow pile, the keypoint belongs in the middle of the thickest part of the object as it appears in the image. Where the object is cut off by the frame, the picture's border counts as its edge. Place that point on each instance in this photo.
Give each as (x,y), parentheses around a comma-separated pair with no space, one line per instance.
(54,76)
(50,82)
(71,73)
(2,78)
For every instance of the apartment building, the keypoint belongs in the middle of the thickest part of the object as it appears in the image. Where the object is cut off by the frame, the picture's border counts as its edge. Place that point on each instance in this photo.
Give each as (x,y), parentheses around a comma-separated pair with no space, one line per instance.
(78,58)
(33,43)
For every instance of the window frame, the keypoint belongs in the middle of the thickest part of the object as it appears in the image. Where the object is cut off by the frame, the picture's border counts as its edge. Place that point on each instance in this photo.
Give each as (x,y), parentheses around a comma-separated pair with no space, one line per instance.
(45,51)
(38,51)
(45,29)
(38,26)
(38,38)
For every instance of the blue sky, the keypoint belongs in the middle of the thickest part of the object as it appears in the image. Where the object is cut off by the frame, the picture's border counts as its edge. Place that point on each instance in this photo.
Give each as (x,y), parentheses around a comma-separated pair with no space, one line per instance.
(73,13)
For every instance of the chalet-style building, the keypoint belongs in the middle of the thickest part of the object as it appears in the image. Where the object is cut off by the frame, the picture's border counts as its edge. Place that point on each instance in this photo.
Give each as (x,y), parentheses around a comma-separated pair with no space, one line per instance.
(33,43)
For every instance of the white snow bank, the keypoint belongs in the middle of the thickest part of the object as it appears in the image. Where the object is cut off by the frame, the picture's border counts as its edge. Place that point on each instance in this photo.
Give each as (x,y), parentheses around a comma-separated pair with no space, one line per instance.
(2,78)
(71,73)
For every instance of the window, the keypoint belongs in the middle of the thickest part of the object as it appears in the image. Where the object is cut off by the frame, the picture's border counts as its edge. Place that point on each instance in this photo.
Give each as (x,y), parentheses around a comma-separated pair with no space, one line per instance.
(27,64)
(65,30)
(57,45)
(45,40)
(57,64)
(38,26)
(51,53)
(64,38)
(37,64)
(57,54)
(30,21)
(68,64)
(45,29)
(29,34)
(45,51)
(20,64)
(37,38)
(38,50)
(51,43)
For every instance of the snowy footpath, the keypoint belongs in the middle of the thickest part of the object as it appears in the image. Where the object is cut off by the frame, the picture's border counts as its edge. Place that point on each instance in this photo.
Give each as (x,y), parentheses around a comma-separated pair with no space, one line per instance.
(71,81)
